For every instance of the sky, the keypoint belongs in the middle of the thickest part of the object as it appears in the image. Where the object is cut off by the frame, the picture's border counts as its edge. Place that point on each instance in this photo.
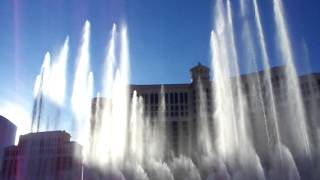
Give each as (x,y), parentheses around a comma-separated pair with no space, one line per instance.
(166,38)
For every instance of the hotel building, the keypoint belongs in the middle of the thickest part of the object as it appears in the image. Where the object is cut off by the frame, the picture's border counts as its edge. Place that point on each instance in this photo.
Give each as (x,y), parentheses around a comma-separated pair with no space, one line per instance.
(43,155)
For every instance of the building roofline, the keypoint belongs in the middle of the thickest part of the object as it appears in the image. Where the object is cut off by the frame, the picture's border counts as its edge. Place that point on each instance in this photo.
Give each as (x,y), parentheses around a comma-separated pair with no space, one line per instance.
(46,132)
(156,85)
(7,121)
(199,65)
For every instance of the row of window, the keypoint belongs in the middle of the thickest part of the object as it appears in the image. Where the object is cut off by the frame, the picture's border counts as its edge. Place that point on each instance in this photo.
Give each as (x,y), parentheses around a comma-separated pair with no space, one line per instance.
(170,114)
(168,108)
(40,149)
(173,111)
(170,98)
(39,166)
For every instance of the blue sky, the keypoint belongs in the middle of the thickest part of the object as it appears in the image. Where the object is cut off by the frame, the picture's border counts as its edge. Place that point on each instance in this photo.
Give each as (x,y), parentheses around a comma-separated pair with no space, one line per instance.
(166,37)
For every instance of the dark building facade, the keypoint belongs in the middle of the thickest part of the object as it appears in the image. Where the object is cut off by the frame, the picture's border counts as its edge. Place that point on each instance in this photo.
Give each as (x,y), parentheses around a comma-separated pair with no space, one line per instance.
(8,132)
(43,155)
(7,135)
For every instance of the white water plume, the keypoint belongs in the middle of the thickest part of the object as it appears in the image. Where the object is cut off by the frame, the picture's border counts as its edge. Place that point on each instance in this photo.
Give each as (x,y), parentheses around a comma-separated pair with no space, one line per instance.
(204,140)
(120,101)
(300,146)
(82,89)
(158,170)
(183,168)
(40,92)
(273,117)
(110,64)
(226,129)
(58,75)
(110,137)
(136,124)
(45,75)
(161,127)
(155,128)
(231,122)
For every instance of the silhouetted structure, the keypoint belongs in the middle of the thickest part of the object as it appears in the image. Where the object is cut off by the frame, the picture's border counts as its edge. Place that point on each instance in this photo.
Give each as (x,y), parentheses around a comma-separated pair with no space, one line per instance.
(8,132)
(43,155)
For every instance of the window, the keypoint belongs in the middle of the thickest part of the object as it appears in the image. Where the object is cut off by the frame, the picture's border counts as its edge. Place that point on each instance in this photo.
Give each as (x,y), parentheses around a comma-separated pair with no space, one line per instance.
(4,165)
(186,98)
(146,98)
(152,98)
(156,98)
(171,98)
(176,98)
(181,98)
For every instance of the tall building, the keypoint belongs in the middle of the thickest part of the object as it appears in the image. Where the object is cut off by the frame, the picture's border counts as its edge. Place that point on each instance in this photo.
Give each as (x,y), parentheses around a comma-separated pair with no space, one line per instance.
(7,135)
(8,132)
(183,107)
(43,155)
(187,104)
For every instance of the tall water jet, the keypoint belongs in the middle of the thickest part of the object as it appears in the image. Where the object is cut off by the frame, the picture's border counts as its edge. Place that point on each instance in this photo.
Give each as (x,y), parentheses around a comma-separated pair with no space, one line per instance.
(136,124)
(101,123)
(57,85)
(241,110)
(204,137)
(233,125)
(273,137)
(252,84)
(296,137)
(226,131)
(81,97)
(110,64)
(231,122)
(162,125)
(112,137)
(120,101)
(58,75)
(40,92)
(157,130)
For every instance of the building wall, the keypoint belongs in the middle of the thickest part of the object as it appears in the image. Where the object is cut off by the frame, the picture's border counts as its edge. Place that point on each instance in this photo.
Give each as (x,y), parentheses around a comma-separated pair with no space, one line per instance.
(7,135)
(44,155)
(7,132)
(182,107)
(187,104)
